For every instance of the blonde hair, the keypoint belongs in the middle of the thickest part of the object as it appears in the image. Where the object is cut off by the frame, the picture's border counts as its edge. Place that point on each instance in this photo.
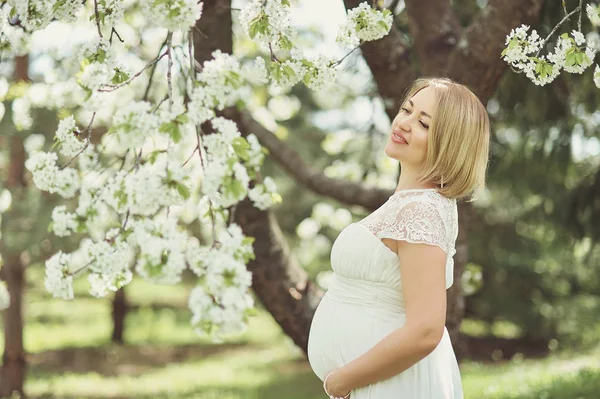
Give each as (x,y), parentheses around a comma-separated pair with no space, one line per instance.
(458,141)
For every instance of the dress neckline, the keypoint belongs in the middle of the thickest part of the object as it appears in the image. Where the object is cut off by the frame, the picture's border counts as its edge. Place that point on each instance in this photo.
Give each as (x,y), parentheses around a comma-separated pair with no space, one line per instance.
(408,190)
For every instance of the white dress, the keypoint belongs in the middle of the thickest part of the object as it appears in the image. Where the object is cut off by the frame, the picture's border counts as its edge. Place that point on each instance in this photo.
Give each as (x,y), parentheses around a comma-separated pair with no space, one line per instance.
(364,301)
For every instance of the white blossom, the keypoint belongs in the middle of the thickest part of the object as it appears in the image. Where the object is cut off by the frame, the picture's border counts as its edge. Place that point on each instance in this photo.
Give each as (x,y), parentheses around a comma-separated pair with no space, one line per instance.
(59,280)
(134,123)
(66,10)
(34,15)
(4,86)
(111,11)
(264,195)
(34,142)
(256,72)
(520,46)
(21,113)
(4,296)
(268,22)
(66,134)
(109,261)
(364,23)
(173,14)
(221,80)
(256,153)
(597,76)
(162,246)
(593,13)
(63,223)
(579,37)
(320,73)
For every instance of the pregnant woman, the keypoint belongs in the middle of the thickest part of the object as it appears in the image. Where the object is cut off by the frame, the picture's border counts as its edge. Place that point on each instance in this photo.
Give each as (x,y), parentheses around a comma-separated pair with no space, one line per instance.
(379,331)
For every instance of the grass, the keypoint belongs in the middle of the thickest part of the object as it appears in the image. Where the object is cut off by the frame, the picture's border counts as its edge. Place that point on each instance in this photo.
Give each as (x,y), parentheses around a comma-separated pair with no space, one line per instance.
(71,356)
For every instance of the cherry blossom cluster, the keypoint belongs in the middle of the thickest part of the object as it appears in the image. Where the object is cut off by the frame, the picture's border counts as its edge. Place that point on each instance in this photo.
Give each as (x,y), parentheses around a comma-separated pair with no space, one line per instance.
(161,159)
(364,23)
(571,54)
(267,21)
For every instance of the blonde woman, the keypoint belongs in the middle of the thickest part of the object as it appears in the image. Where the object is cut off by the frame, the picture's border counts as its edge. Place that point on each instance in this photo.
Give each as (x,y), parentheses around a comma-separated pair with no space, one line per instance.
(379,331)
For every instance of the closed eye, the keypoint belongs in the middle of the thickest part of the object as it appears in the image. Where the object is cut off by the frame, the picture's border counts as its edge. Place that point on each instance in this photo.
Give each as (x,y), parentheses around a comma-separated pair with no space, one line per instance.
(404,109)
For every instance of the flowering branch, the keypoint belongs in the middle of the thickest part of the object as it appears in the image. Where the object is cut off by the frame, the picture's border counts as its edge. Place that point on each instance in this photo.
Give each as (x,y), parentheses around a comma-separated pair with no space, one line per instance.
(110,88)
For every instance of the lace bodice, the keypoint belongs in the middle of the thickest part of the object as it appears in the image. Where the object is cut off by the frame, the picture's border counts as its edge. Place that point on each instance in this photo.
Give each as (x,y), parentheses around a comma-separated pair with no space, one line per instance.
(418,216)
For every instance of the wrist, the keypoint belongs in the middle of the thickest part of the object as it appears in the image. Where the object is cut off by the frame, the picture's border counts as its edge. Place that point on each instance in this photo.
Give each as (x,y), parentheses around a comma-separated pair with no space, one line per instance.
(335,385)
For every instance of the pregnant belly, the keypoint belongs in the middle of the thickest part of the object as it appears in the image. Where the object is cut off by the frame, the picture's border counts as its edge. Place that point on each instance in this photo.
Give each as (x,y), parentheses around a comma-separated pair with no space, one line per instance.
(340,332)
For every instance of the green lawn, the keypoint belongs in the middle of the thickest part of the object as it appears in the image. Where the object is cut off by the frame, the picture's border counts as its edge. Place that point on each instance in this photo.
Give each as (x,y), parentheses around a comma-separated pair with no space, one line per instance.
(71,357)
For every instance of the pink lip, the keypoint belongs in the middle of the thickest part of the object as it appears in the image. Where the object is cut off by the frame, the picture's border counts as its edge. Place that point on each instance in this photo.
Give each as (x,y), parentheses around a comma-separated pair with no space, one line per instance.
(399,134)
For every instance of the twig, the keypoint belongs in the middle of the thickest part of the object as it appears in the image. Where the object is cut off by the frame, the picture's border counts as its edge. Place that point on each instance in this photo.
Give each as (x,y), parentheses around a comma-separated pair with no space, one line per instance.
(97,18)
(273,57)
(344,57)
(556,27)
(188,160)
(87,130)
(169,68)
(151,79)
(81,268)
(210,210)
(116,33)
(580,13)
(110,88)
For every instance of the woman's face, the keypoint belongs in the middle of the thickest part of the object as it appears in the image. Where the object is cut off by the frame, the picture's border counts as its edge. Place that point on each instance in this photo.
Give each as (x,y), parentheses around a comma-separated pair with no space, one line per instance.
(410,128)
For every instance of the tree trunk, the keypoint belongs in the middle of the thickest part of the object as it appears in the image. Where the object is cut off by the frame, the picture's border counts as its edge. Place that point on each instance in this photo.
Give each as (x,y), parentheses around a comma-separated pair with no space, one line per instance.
(469,55)
(278,280)
(119,312)
(13,360)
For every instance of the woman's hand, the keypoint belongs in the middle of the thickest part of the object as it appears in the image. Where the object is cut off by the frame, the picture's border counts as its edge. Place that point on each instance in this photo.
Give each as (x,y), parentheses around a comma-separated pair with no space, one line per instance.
(334,385)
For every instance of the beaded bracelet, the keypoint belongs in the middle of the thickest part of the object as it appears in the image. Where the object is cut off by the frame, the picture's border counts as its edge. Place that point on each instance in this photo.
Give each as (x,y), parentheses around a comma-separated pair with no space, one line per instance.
(331,396)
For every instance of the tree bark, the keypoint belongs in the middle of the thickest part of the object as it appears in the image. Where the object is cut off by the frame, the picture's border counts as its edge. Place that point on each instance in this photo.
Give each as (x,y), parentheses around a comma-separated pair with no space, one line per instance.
(345,191)
(470,56)
(13,360)
(119,313)
(279,282)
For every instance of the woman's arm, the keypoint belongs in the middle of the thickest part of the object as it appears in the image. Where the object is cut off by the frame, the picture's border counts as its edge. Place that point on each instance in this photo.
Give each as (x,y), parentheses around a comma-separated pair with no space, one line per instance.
(422,267)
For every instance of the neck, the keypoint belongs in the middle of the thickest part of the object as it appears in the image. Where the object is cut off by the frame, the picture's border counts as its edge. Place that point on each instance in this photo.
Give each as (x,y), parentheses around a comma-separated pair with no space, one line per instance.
(409,179)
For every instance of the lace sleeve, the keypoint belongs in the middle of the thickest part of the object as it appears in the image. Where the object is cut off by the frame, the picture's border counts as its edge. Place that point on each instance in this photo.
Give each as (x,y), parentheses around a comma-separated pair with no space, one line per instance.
(417,222)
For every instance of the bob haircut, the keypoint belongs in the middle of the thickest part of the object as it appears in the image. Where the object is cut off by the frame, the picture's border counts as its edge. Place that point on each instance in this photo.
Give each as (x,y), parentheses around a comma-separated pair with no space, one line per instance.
(458,140)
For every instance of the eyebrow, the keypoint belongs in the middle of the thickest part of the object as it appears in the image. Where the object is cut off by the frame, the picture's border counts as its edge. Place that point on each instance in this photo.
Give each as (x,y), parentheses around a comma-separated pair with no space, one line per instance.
(422,112)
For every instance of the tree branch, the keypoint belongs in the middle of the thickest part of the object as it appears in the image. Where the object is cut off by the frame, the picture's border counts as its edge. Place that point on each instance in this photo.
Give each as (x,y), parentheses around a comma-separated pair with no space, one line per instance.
(435,30)
(391,64)
(345,191)
(476,60)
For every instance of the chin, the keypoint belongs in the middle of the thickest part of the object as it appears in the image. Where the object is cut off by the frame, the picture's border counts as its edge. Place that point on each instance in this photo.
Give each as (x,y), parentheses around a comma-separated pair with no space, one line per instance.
(392,151)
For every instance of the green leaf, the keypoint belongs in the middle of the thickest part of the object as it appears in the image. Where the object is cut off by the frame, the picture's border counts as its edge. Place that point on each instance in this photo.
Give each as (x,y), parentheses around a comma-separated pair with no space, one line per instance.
(285,43)
(153,156)
(119,77)
(241,148)
(253,30)
(182,118)
(289,71)
(285,3)
(172,129)
(183,190)
(306,79)
(383,25)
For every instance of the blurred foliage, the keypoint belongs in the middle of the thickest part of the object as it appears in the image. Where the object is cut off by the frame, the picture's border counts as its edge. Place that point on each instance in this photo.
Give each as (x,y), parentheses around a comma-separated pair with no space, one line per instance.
(71,356)
(535,259)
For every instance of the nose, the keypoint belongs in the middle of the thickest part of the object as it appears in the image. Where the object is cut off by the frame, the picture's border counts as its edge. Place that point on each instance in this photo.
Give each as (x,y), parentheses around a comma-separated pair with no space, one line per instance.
(404,124)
